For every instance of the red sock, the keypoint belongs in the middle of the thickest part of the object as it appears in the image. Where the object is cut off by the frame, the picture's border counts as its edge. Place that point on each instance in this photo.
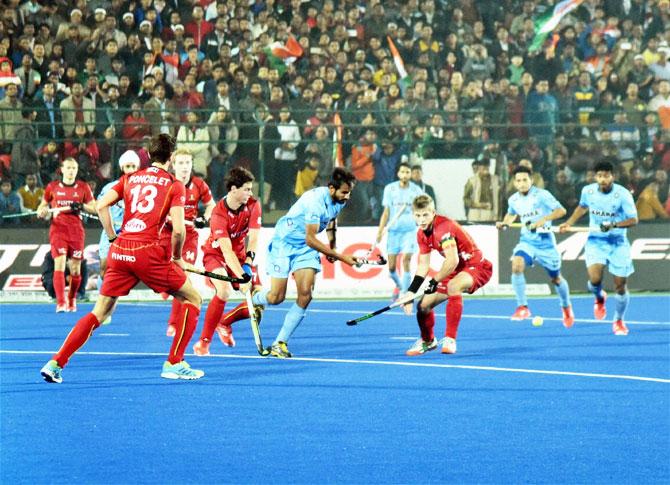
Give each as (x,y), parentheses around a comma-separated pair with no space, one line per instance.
(75,282)
(77,337)
(240,312)
(454,312)
(186,323)
(426,324)
(212,317)
(174,314)
(59,287)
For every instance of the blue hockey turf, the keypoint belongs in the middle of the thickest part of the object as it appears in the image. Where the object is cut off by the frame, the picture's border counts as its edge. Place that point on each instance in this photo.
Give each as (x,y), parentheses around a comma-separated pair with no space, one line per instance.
(516,404)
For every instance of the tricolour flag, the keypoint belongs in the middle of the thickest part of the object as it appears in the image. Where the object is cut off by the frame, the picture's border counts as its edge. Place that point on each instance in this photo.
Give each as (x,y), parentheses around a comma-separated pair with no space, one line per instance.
(280,55)
(405,80)
(338,155)
(548,22)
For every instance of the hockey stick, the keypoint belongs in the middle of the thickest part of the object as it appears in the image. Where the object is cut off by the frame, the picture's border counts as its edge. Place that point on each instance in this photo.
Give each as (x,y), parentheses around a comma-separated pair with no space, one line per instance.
(356,321)
(519,225)
(385,229)
(255,326)
(381,261)
(222,277)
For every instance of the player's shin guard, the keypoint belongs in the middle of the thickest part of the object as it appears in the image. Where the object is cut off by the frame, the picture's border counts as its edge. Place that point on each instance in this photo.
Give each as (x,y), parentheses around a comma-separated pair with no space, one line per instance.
(212,317)
(174,313)
(294,317)
(77,337)
(563,290)
(396,279)
(75,282)
(621,305)
(240,312)
(186,323)
(406,280)
(426,323)
(59,287)
(454,312)
(519,285)
(597,290)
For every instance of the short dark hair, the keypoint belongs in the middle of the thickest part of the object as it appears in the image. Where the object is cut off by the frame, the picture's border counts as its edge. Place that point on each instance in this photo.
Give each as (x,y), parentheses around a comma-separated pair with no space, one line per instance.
(161,148)
(237,177)
(522,169)
(402,164)
(603,166)
(341,176)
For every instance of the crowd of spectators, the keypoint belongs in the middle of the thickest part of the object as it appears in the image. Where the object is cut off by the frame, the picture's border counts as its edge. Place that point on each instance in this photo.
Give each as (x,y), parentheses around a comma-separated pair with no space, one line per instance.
(90,79)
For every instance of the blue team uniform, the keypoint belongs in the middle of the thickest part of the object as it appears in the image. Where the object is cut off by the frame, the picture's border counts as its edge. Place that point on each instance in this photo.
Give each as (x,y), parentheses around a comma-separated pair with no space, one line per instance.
(116,211)
(288,251)
(402,236)
(540,245)
(609,248)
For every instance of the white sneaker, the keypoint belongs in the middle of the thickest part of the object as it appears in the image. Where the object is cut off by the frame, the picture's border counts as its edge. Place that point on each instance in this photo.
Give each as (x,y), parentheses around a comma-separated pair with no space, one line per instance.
(448,345)
(421,347)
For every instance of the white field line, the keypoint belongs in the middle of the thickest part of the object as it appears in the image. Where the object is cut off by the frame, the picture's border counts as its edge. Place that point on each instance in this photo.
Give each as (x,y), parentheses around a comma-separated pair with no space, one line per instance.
(374,362)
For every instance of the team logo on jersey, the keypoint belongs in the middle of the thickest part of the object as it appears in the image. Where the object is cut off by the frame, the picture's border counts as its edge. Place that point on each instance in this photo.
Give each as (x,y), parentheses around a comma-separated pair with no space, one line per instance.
(135,225)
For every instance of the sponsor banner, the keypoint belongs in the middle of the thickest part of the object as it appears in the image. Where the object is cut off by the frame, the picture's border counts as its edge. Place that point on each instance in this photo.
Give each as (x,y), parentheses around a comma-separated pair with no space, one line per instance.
(22,252)
(650,250)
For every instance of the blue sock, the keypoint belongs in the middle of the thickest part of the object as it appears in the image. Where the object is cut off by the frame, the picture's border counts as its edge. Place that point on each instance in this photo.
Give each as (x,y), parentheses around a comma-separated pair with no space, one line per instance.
(396,279)
(261,298)
(597,290)
(519,285)
(406,280)
(293,318)
(563,290)
(621,304)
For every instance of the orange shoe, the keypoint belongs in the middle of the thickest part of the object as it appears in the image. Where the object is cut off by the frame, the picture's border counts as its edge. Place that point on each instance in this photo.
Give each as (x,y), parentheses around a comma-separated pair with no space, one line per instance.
(568,317)
(171,330)
(619,328)
(521,313)
(61,308)
(201,348)
(226,335)
(599,308)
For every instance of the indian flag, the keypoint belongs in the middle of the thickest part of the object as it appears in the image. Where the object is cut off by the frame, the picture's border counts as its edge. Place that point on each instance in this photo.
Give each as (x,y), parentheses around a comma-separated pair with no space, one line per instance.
(280,55)
(405,80)
(547,23)
(338,156)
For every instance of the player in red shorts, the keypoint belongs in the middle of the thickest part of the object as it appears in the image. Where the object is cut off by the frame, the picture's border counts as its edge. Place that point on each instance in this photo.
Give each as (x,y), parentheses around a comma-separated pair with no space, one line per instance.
(136,255)
(464,269)
(235,217)
(197,191)
(66,234)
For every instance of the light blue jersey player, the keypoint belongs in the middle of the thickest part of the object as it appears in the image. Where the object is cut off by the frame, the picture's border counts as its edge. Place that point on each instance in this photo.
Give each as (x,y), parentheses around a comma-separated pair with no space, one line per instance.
(397,219)
(536,208)
(129,163)
(611,210)
(295,249)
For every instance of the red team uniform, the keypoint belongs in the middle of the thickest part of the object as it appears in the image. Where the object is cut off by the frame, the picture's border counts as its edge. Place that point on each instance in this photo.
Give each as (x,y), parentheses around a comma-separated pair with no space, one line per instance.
(66,234)
(442,233)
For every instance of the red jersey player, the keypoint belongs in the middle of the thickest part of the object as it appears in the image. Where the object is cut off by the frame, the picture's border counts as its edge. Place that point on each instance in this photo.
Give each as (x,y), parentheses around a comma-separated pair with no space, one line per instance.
(136,255)
(235,217)
(464,269)
(66,234)
(197,191)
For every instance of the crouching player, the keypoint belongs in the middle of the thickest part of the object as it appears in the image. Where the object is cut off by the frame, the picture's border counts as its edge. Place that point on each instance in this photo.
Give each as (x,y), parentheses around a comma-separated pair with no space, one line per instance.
(464,269)
(235,216)
(137,255)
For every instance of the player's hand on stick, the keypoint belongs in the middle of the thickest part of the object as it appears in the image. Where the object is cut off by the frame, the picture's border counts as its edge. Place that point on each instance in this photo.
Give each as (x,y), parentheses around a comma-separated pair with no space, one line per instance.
(606,226)
(349,259)
(565,227)
(43,212)
(248,272)
(185,265)
(431,287)
(76,207)
(200,222)
(501,226)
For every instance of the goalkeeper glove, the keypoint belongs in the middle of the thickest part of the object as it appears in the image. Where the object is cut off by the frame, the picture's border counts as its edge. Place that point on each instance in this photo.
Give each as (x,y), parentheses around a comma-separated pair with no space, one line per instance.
(200,222)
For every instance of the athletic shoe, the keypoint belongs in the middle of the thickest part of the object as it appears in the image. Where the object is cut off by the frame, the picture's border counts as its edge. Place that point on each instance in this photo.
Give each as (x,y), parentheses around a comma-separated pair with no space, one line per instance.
(51,372)
(72,305)
(226,335)
(421,347)
(171,330)
(448,345)
(619,328)
(107,320)
(180,370)
(396,294)
(280,350)
(521,313)
(568,317)
(599,308)
(61,308)
(201,348)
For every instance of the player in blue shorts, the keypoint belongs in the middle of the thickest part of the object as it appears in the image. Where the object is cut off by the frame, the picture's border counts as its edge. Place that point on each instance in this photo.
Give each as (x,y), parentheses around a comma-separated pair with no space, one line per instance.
(536,208)
(129,163)
(295,249)
(611,210)
(397,202)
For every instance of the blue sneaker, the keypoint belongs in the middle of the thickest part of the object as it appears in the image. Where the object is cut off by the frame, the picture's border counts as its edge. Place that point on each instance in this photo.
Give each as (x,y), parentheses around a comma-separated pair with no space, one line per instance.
(180,370)
(51,372)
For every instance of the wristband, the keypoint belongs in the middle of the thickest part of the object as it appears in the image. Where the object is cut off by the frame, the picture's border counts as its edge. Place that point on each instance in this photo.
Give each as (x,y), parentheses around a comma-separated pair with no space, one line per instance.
(251,255)
(111,239)
(247,269)
(416,284)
